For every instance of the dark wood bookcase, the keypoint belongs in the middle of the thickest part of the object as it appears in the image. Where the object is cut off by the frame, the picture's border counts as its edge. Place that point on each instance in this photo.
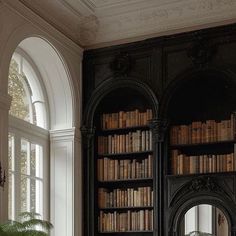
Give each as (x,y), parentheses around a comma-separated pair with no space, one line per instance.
(202,137)
(188,81)
(125,172)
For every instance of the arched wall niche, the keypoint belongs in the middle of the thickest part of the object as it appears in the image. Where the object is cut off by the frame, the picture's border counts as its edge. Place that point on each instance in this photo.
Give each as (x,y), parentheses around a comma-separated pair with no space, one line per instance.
(61,77)
(112,95)
(188,202)
(111,85)
(197,83)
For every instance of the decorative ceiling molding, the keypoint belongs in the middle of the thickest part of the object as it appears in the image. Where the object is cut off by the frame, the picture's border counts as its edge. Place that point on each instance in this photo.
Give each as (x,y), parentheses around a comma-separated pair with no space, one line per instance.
(99,4)
(92,23)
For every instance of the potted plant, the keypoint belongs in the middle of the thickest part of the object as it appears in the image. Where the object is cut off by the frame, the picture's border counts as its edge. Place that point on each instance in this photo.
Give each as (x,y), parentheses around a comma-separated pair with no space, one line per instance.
(29,224)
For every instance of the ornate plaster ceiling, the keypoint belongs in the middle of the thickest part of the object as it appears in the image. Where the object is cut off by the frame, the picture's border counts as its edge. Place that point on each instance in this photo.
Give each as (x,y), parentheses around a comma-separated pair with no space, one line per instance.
(92,23)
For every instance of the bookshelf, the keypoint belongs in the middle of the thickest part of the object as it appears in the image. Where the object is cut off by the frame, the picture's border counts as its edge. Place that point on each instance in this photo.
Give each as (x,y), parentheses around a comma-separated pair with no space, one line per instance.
(203,147)
(124,174)
(202,135)
(189,82)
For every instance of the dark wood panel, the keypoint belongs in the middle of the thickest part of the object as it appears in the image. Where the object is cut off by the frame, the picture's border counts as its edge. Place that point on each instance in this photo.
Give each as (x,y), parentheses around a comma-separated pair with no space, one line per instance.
(193,75)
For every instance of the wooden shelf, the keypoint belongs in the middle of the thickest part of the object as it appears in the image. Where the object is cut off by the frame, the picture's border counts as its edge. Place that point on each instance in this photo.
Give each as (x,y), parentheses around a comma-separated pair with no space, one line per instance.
(192,145)
(121,232)
(202,174)
(125,129)
(122,181)
(126,154)
(134,208)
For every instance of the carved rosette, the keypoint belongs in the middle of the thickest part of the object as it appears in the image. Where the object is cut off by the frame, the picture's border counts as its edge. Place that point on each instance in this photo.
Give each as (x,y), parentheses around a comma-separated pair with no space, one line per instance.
(87,135)
(121,65)
(202,52)
(159,128)
(204,184)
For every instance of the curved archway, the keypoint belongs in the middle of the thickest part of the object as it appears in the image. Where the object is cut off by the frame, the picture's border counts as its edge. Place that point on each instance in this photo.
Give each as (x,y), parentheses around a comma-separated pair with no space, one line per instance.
(53,60)
(54,71)
(185,78)
(111,85)
(180,210)
(55,79)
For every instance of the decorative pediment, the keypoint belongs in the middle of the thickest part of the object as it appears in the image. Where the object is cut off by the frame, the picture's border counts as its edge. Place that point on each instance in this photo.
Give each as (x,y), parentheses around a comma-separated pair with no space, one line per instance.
(202,185)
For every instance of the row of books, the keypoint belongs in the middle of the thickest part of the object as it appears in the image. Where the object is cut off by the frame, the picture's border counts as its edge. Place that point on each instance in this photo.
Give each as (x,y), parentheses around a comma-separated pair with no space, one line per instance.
(132,142)
(130,197)
(126,119)
(113,169)
(126,221)
(184,164)
(203,132)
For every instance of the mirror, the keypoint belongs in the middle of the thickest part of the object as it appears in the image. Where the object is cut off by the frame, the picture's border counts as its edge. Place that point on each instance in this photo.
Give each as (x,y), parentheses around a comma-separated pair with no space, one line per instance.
(204,220)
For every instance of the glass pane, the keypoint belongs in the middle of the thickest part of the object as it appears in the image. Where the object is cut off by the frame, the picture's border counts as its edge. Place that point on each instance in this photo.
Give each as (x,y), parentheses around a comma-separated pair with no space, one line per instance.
(11,153)
(36,160)
(39,197)
(25,193)
(11,200)
(17,88)
(25,158)
(32,195)
(32,159)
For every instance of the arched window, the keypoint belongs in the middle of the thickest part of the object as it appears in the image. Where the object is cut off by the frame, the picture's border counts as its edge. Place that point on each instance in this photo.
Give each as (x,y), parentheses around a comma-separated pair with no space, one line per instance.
(28,138)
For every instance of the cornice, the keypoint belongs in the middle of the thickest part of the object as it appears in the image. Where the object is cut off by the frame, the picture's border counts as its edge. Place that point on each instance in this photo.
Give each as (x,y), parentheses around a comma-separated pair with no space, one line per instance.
(54,32)
(67,134)
(99,23)
(177,17)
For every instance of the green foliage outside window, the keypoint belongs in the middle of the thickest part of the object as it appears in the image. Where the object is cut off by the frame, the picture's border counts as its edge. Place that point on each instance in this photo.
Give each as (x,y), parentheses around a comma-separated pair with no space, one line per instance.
(20,101)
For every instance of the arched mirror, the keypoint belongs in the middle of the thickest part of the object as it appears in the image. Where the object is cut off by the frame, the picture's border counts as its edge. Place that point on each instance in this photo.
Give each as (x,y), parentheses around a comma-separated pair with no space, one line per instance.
(204,220)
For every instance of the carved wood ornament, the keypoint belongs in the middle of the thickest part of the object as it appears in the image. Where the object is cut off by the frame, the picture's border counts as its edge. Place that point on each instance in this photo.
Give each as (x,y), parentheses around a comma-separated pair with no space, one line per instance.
(204,184)
(202,52)
(121,64)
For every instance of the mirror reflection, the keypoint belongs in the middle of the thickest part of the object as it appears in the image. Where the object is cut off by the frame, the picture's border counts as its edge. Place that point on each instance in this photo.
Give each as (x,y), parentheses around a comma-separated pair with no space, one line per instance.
(204,220)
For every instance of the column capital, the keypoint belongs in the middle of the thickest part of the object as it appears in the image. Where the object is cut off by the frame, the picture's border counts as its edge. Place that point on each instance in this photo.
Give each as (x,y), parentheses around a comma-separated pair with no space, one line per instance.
(158,127)
(63,134)
(87,134)
(87,131)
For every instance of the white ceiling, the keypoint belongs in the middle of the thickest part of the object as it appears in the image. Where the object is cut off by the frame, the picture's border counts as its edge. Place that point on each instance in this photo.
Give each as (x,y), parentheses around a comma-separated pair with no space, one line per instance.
(95,23)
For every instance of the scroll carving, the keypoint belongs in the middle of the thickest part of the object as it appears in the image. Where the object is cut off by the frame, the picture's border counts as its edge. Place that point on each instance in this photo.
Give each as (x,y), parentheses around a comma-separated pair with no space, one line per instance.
(204,184)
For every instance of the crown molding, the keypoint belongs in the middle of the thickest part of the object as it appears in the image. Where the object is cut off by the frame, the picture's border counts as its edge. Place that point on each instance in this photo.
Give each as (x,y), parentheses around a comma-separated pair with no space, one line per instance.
(42,24)
(177,17)
(97,23)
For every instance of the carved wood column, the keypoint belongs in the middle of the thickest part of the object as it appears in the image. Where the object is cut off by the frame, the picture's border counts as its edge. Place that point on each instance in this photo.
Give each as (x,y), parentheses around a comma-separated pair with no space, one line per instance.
(158,127)
(233,231)
(88,138)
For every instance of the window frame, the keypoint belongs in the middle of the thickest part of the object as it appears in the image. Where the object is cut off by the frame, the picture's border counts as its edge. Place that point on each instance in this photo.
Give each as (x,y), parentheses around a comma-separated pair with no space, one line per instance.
(22,129)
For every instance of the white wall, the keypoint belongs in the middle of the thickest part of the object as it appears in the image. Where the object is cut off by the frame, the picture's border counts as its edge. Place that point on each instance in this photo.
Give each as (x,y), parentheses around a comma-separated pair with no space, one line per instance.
(16,24)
